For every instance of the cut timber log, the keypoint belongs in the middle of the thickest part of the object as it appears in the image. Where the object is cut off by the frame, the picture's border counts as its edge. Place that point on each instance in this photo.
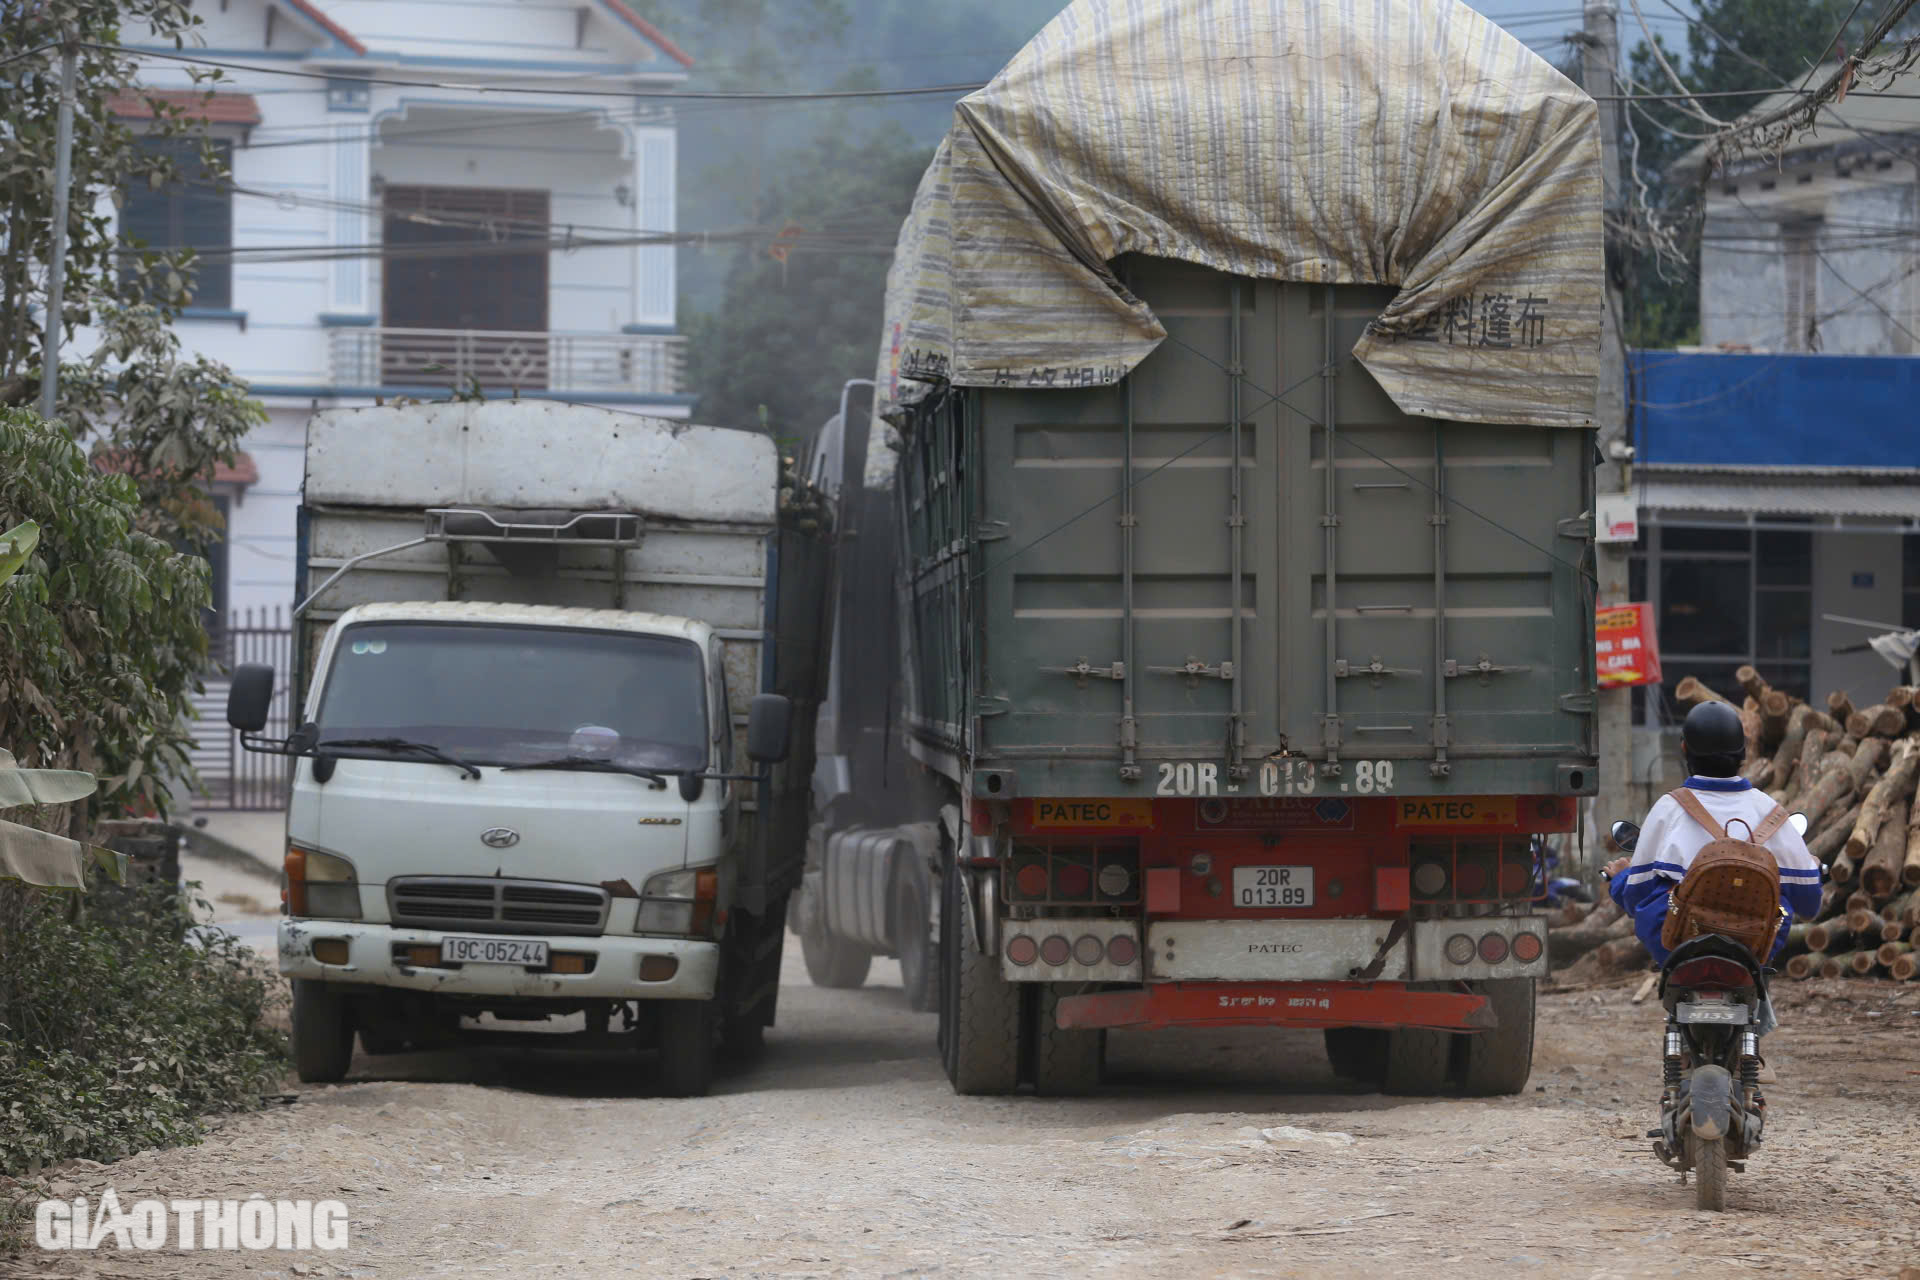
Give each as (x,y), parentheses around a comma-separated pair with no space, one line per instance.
(1752,682)
(1839,706)
(1863,922)
(1607,922)
(1861,898)
(1692,693)
(1896,908)
(1862,962)
(1891,951)
(1904,969)
(1797,939)
(1846,744)
(1834,784)
(1829,936)
(1805,768)
(1892,930)
(1803,721)
(1877,721)
(1910,871)
(1843,869)
(1623,954)
(1900,696)
(1835,966)
(1775,711)
(1895,788)
(1832,836)
(1880,873)
(1802,967)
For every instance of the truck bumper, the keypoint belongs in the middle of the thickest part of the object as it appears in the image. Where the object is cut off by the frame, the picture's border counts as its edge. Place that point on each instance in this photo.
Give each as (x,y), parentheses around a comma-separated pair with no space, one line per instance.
(615,971)
(1304,1005)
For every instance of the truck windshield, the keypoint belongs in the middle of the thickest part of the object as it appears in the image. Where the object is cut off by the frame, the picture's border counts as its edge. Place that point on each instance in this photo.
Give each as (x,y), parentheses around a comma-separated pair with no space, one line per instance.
(504,695)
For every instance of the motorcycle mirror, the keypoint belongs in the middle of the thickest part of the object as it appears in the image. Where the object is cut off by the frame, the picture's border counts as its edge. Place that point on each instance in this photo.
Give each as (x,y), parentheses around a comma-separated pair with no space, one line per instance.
(1625,835)
(1798,821)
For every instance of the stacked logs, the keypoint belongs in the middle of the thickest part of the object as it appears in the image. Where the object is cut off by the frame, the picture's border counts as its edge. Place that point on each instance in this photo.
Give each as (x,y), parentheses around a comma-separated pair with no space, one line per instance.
(1854,773)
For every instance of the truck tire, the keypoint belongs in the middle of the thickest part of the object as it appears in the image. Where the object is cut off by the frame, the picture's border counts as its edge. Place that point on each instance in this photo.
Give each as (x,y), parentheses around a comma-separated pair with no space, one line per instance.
(910,900)
(1499,1061)
(1358,1053)
(322,1032)
(979,1009)
(831,962)
(688,1031)
(1066,1064)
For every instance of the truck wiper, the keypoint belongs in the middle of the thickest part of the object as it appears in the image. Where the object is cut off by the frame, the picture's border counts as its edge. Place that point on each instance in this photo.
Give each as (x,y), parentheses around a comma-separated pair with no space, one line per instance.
(592,764)
(403,744)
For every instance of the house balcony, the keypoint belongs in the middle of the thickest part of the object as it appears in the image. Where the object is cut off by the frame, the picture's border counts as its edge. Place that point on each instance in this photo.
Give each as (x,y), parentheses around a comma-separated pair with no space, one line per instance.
(505,362)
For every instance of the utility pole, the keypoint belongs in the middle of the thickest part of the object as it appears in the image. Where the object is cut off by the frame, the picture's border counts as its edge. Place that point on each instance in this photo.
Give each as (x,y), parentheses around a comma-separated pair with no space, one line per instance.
(1600,63)
(57,264)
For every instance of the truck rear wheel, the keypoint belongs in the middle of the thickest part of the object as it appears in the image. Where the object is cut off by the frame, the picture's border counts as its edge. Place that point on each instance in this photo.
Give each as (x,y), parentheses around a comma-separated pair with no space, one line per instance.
(979,1009)
(1499,1061)
(322,1032)
(688,1030)
(910,943)
(831,962)
(1358,1053)
(1066,1064)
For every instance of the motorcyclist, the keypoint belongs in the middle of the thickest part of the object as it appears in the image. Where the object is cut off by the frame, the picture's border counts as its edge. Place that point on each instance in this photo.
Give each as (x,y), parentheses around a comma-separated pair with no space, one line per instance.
(1714,743)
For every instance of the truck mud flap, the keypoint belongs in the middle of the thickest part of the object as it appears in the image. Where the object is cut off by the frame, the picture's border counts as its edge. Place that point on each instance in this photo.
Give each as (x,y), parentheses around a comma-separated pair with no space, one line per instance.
(1304,1005)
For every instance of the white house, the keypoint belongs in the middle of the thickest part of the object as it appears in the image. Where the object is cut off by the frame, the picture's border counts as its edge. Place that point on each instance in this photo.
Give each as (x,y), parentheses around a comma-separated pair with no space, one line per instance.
(388,156)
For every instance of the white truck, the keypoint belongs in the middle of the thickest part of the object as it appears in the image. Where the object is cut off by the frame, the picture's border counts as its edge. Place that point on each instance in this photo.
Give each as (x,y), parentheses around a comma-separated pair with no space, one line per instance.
(548,661)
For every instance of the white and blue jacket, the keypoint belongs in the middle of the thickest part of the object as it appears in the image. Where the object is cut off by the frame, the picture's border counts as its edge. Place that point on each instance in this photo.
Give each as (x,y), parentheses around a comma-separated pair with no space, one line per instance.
(1670,839)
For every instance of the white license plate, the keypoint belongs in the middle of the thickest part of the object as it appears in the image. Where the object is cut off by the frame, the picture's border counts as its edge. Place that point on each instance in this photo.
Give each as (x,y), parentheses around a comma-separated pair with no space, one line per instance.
(1735,1014)
(1273,886)
(522,951)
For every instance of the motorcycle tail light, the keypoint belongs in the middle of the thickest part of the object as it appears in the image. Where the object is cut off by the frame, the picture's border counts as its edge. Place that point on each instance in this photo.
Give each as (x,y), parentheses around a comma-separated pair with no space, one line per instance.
(1088,949)
(1527,947)
(1072,880)
(1460,949)
(1055,950)
(1430,879)
(1031,880)
(1022,950)
(1122,950)
(1711,971)
(1493,948)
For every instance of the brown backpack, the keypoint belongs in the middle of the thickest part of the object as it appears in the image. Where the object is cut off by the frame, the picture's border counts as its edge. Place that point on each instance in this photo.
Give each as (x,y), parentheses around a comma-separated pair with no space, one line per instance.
(1733,886)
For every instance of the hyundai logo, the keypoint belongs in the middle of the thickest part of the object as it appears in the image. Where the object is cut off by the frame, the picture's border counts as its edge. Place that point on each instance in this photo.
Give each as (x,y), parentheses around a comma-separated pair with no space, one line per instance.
(500,837)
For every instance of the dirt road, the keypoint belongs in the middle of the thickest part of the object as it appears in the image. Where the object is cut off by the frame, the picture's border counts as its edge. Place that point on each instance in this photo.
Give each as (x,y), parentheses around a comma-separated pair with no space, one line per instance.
(843,1153)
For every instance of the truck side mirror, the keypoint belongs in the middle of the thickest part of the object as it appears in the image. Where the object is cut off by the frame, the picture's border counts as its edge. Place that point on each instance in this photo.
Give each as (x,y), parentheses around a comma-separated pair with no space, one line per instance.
(769,728)
(249,697)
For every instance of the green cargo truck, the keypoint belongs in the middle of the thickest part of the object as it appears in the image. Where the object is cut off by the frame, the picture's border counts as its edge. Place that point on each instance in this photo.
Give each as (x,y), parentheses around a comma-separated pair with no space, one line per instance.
(1245,619)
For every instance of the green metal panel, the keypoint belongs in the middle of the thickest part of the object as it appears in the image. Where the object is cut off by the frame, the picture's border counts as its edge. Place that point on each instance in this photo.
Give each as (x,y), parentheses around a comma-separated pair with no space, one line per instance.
(1080,635)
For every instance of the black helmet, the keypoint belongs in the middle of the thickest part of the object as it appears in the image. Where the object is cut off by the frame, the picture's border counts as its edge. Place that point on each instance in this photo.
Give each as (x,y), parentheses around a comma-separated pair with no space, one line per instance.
(1713,731)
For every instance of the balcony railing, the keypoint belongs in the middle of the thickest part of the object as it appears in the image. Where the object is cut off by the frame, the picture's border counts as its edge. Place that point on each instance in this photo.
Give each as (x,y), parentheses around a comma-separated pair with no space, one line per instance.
(501,361)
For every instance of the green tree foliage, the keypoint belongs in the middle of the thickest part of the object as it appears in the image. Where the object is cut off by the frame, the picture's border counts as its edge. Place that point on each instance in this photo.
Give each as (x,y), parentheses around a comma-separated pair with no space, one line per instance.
(108,156)
(102,628)
(787,334)
(1744,47)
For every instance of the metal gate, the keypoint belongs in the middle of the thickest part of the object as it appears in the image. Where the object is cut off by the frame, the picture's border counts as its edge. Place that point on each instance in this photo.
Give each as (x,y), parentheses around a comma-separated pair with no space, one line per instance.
(232,777)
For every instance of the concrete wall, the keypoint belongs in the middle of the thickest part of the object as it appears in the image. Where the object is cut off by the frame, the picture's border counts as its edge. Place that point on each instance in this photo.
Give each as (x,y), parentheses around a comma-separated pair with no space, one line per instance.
(1840,560)
(1743,277)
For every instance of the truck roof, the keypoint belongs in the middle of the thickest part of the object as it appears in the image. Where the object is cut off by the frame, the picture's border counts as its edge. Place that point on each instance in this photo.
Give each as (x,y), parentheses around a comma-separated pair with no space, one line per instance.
(531,615)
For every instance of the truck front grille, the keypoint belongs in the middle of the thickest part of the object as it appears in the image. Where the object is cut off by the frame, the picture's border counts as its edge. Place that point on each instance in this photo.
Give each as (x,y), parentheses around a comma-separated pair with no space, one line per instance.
(497,906)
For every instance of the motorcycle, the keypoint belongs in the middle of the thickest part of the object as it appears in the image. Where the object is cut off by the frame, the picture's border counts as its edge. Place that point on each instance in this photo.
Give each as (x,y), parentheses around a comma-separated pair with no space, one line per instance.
(1711,1109)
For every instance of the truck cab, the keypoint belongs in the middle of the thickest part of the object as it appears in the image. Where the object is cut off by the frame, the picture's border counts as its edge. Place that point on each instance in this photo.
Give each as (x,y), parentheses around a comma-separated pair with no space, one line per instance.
(513,812)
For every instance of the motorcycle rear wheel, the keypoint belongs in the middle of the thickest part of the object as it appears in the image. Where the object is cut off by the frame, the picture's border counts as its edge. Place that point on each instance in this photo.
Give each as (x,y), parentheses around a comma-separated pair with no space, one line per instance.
(1709,1172)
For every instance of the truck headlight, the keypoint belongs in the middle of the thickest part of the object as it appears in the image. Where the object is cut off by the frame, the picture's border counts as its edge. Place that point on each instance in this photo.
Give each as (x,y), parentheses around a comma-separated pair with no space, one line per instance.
(679,902)
(321,886)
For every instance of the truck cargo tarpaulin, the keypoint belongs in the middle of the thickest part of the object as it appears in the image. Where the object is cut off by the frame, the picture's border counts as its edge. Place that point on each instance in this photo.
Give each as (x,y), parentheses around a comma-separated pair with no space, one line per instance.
(1333,142)
(1625,651)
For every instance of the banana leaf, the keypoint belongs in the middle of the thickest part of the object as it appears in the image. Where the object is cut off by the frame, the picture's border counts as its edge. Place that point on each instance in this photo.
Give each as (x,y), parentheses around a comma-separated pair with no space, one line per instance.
(40,857)
(16,544)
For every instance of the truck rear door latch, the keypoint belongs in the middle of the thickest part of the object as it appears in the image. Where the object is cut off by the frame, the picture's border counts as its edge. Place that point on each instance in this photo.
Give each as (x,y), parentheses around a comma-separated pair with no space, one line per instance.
(1082,671)
(1484,668)
(1193,669)
(1374,669)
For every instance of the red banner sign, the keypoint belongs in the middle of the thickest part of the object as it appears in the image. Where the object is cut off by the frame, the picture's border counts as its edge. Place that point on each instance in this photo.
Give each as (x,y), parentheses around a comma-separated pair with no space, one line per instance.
(1625,652)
